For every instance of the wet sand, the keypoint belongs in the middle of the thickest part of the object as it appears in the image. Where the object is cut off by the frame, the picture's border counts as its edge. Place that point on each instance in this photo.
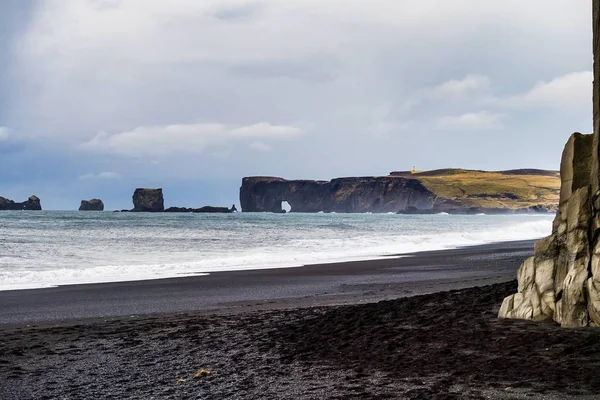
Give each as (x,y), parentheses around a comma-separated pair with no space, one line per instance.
(325,284)
(348,332)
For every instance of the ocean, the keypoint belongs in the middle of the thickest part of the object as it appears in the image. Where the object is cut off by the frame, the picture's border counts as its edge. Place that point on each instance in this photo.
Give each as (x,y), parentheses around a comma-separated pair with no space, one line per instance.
(51,248)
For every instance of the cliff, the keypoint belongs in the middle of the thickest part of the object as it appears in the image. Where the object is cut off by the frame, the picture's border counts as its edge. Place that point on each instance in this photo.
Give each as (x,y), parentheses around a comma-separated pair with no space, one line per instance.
(447,190)
(561,282)
(148,200)
(32,204)
(347,195)
(91,205)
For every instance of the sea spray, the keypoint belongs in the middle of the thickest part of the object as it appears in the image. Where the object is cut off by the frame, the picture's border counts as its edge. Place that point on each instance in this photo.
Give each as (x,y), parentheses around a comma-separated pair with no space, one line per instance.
(57,248)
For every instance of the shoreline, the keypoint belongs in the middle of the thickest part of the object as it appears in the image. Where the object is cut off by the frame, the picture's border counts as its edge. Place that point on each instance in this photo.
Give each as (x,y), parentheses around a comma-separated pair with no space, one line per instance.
(320,264)
(265,289)
(419,327)
(87,262)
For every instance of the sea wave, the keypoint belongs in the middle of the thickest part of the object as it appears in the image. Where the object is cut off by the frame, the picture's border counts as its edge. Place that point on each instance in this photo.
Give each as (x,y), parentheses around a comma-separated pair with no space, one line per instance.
(346,238)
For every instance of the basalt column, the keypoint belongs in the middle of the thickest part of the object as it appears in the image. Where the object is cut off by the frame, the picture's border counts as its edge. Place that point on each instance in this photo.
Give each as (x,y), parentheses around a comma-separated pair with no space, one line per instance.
(561,282)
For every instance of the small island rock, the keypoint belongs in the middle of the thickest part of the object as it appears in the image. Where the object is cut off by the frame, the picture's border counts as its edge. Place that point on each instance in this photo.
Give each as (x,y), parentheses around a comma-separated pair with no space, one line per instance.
(148,200)
(205,209)
(31,204)
(91,205)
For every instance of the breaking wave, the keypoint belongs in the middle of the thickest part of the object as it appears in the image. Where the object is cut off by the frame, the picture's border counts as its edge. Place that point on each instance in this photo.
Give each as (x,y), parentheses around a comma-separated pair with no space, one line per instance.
(50,250)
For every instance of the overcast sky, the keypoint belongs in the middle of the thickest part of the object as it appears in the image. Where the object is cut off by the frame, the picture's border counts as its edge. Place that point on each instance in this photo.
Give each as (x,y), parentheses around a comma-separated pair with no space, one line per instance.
(98,97)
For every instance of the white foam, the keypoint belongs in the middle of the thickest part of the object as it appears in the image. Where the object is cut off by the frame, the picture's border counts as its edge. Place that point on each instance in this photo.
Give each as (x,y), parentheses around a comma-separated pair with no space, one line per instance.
(104,274)
(313,248)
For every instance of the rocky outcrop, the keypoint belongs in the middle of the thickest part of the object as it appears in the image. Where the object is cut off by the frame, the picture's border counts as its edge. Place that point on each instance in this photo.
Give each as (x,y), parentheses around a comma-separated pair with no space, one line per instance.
(148,200)
(205,209)
(561,282)
(31,204)
(552,283)
(345,195)
(151,200)
(91,205)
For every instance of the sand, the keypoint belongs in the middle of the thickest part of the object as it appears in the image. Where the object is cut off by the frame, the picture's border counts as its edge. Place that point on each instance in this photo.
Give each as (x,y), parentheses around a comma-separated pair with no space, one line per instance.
(363,334)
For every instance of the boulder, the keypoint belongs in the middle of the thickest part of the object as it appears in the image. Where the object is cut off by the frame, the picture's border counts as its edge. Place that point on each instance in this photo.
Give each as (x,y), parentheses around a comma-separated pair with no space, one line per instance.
(148,200)
(31,204)
(91,205)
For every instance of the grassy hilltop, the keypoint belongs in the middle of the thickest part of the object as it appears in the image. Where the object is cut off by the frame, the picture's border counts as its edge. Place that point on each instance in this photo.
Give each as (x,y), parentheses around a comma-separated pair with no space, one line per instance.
(511,189)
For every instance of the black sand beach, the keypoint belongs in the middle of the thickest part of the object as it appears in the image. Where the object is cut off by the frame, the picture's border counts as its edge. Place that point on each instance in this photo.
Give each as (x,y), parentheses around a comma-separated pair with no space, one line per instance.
(338,331)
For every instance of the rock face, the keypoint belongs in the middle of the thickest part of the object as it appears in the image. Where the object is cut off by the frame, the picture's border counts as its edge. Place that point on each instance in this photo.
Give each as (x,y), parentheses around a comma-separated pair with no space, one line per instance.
(91,205)
(148,200)
(561,282)
(450,190)
(552,283)
(31,204)
(347,195)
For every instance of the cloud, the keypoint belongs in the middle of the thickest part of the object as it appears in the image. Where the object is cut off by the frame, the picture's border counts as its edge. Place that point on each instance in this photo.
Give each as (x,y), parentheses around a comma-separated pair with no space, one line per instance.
(389,128)
(314,69)
(368,79)
(260,146)
(459,87)
(266,130)
(4,133)
(168,140)
(77,62)
(100,176)
(567,92)
(237,11)
(479,120)
(472,85)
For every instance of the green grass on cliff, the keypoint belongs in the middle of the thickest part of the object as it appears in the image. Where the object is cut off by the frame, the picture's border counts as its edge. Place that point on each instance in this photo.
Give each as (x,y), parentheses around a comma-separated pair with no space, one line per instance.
(506,189)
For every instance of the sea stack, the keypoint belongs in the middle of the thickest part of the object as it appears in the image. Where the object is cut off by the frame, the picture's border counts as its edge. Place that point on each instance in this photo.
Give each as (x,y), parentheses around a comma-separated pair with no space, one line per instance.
(561,282)
(148,200)
(31,204)
(91,205)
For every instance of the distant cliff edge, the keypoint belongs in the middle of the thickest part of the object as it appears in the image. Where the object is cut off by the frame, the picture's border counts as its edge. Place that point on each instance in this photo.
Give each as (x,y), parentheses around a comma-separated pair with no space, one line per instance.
(31,204)
(455,191)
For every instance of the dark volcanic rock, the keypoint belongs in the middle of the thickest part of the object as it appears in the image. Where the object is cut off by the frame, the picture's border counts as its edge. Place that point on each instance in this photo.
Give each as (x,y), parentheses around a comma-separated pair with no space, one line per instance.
(397,193)
(91,205)
(148,200)
(205,209)
(32,204)
(345,195)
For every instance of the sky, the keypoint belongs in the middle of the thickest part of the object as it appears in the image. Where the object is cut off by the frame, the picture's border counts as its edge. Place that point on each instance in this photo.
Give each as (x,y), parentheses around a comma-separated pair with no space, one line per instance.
(98,97)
